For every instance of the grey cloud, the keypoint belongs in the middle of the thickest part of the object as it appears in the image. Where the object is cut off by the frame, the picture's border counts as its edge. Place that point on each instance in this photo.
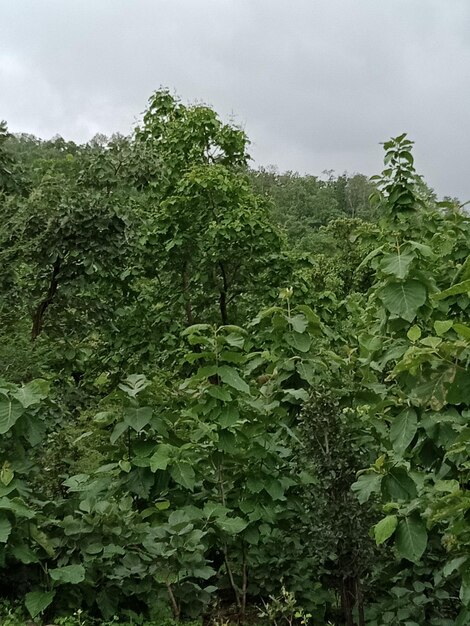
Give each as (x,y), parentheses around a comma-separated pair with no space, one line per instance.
(316,83)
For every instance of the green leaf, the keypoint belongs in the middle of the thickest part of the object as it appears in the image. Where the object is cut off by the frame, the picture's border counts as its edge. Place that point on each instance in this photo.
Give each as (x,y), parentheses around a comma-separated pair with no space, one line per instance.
(459,390)
(463,618)
(206,372)
(434,388)
(298,394)
(32,393)
(275,489)
(72,574)
(214,509)
(385,528)
(254,484)
(398,485)
(425,250)
(235,340)
(5,528)
(414,333)
(231,377)
(196,328)
(397,264)
(37,601)
(300,341)
(204,572)
(219,393)
(366,485)
(411,538)
(33,429)
(369,257)
(183,473)
(10,412)
(42,540)
(465,589)
(6,474)
(453,565)
(134,384)
(16,506)
(24,554)
(125,465)
(441,327)
(229,415)
(161,458)
(403,430)
(463,330)
(463,287)
(298,323)
(138,418)
(162,505)
(231,525)
(404,299)
(118,430)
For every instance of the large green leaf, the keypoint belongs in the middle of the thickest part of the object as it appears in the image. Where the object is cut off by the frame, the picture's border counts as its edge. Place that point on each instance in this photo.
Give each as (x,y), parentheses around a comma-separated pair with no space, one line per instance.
(385,528)
(134,384)
(366,485)
(398,485)
(37,601)
(231,377)
(183,473)
(10,411)
(231,525)
(462,329)
(442,326)
(118,430)
(299,323)
(16,506)
(463,287)
(299,341)
(411,538)
(433,389)
(229,415)
(161,457)
(24,554)
(403,430)
(404,299)
(138,418)
(32,393)
(5,528)
(72,574)
(42,539)
(396,264)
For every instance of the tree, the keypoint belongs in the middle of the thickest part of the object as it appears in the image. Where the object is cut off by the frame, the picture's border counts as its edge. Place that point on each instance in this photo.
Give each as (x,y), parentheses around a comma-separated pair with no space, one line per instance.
(212,233)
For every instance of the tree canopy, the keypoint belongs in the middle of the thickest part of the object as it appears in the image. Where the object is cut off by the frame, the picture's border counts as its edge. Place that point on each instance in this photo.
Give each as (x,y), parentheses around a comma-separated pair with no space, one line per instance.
(229,394)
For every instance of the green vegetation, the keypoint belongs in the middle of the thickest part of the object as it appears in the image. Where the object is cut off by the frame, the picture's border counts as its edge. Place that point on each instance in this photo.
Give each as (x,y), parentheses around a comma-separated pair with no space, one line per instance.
(229,395)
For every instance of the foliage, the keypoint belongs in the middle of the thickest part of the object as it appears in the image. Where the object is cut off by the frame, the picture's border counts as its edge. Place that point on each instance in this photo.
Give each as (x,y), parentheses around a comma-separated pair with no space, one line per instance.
(229,392)
(413,356)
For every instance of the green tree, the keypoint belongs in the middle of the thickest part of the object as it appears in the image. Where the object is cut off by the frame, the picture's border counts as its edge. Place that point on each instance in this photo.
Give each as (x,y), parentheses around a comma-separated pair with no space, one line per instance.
(413,353)
(212,232)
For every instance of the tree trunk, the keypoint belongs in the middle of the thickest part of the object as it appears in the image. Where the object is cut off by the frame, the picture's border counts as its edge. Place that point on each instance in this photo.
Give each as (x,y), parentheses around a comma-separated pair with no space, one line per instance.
(347,601)
(360,603)
(38,315)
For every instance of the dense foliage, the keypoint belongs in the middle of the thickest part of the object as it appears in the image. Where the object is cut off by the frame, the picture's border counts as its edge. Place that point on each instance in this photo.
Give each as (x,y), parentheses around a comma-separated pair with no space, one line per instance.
(229,394)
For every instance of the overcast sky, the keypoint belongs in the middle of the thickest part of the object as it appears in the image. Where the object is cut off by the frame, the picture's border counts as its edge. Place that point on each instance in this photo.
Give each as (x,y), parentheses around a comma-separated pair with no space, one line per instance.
(317,84)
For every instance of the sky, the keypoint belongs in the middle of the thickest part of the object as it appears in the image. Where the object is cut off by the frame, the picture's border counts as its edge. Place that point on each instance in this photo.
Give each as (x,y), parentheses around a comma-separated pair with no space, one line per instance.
(316,84)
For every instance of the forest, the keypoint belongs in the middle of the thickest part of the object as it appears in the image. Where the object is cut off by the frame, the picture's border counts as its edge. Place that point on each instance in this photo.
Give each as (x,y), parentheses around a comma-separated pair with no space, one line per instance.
(229,395)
